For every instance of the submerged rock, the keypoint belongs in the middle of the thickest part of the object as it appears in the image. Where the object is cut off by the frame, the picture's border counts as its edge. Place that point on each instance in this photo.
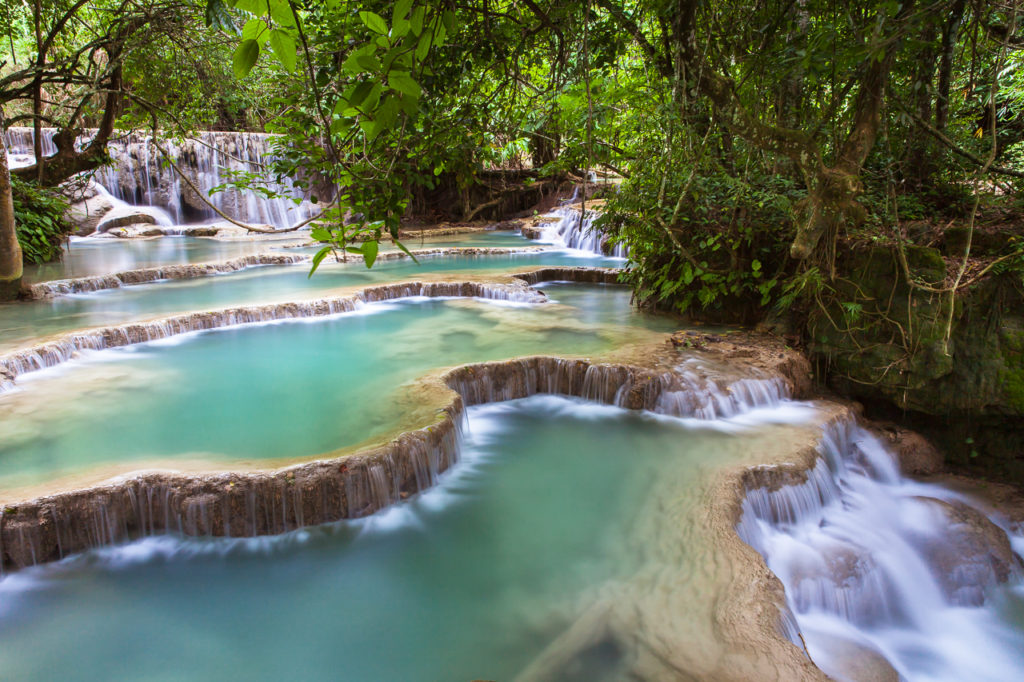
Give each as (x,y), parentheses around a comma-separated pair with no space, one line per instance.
(851,661)
(972,554)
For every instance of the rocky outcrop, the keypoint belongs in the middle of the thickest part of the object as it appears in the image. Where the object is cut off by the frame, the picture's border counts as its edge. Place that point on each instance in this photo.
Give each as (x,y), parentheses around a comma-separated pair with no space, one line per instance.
(81,285)
(87,213)
(888,348)
(129,219)
(115,280)
(582,275)
(915,453)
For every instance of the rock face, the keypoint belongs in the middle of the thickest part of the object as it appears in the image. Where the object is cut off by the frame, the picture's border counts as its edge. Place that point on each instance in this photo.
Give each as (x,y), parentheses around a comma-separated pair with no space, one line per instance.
(892,353)
(973,554)
(915,453)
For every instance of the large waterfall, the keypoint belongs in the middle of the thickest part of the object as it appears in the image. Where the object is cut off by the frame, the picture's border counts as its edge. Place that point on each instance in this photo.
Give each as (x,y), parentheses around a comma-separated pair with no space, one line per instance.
(140,177)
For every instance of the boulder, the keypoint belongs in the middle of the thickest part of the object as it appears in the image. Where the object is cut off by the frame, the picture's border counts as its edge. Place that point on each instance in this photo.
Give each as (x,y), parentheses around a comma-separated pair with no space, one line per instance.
(914,453)
(203,231)
(126,220)
(136,231)
(87,214)
(971,555)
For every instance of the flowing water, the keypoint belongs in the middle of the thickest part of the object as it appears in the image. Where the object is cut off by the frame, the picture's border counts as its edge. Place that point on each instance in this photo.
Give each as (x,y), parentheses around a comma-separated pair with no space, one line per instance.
(139,175)
(874,563)
(279,391)
(575,231)
(471,580)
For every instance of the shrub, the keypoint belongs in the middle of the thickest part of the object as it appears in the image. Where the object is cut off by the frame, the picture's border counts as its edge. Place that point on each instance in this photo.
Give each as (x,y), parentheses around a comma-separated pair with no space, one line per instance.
(40,223)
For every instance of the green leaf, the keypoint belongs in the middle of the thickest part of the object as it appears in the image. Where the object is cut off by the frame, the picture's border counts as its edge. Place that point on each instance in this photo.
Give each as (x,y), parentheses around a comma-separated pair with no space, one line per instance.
(284,48)
(370,252)
(374,22)
(404,83)
(245,58)
(317,259)
(254,29)
(281,11)
(320,234)
(400,28)
(755,265)
(402,8)
(217,16)
(407,251)
(423,48)
(360,93)
(416,20)
(368,62)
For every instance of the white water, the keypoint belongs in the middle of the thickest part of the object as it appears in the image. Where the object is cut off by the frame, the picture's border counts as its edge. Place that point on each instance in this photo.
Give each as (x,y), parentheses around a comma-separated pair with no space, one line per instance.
(140,178)
(573,231)
(856,547)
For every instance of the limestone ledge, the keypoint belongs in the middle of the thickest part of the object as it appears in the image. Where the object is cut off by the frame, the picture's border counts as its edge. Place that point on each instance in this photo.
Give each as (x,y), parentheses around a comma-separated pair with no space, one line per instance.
(79,285)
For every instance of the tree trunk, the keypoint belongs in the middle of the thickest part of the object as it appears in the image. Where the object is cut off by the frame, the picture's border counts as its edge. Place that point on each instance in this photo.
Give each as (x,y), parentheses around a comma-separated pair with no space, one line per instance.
(919,163)
(949,36)
(10,249)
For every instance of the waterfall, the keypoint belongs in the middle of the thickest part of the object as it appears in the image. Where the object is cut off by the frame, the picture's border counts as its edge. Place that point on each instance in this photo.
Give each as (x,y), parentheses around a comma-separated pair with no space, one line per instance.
(138,176)
(573,231)
(875,564)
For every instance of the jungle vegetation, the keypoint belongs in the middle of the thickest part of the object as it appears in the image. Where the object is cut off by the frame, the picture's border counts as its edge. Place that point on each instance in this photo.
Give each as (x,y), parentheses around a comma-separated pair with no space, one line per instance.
(752,145)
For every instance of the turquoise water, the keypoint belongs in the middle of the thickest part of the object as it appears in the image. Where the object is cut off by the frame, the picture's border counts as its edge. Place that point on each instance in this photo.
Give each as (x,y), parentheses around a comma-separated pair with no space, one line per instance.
(471,580)
(282,390)
(87,257)
(21,323)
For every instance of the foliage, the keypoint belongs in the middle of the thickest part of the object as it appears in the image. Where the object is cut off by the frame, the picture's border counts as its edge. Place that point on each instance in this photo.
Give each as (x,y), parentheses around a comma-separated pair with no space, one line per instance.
(39,219)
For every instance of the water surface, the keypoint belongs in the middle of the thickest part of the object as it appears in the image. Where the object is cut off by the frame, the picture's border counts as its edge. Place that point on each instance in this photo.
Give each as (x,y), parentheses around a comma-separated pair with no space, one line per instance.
(470,580)
(23,323)
(283,390)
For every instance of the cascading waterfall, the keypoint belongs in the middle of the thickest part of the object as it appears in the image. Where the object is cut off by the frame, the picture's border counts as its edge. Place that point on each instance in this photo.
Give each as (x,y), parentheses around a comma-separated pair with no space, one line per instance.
(877,564)
(139,177)
(574,231)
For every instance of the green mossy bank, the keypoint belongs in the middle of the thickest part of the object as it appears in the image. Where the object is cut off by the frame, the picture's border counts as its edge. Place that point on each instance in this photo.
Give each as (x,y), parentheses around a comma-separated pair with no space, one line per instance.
(885,343)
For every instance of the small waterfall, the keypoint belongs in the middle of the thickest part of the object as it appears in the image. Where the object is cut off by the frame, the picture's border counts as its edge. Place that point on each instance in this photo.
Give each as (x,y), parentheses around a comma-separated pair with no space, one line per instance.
(884,565)
(140,178)
(704,397)
(573,231)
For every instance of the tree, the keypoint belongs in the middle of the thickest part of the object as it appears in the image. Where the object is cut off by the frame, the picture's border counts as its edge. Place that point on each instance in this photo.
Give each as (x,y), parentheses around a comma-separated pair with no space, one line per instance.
(10,249)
